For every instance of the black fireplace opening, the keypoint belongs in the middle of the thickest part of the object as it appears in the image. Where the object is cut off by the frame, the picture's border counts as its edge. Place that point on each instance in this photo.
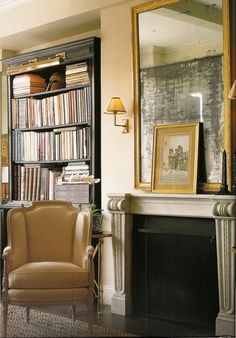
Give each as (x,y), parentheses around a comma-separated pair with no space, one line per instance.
(175,269)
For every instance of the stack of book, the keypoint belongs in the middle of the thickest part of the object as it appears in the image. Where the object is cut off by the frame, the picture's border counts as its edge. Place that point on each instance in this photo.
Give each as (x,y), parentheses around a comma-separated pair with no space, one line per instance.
(74,169)
(35,182)
(77,74)
(28,84)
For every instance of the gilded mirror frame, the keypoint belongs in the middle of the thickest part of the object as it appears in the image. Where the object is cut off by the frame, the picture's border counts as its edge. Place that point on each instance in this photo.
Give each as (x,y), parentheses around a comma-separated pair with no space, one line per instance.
(148,6)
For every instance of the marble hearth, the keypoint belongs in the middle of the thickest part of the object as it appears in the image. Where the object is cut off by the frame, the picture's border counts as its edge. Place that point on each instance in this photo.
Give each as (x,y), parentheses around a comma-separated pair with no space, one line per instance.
(222,208)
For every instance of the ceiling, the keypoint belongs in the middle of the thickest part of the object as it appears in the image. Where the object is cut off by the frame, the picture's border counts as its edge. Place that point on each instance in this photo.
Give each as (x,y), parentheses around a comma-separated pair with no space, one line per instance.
(4,3)
(155,30)
(88,21)
(11,3)
(189,23)
(47,33)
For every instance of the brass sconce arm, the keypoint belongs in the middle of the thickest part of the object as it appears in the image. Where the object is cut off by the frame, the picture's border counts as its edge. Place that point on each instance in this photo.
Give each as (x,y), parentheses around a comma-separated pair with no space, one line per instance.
(125,124)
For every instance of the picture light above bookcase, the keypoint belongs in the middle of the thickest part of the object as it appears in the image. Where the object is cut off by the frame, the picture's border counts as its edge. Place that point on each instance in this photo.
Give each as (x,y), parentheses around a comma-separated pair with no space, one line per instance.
(35,64)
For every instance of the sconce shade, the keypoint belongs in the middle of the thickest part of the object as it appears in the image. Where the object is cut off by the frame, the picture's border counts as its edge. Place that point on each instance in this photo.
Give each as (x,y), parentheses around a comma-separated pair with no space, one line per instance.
(115,106)
(232,93)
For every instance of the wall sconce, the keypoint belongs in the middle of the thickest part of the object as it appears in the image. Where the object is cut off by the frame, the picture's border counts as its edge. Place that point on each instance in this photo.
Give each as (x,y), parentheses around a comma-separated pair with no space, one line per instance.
(232,92)
(116,107)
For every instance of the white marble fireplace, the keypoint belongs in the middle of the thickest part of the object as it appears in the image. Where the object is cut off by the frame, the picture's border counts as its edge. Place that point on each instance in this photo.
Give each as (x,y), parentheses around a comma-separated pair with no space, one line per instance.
(220,207)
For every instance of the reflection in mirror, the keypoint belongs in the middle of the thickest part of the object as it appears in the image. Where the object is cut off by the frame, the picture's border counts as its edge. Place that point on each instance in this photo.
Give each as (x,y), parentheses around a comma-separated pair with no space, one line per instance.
(180,74)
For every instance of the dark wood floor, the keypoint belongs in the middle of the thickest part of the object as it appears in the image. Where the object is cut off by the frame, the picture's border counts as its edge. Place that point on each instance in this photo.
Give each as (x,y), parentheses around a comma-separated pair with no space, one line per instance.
(141,326)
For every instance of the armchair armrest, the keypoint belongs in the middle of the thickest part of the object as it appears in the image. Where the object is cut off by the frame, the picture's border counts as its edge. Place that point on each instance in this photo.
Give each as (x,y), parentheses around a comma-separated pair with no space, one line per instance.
(7,257)
(6,252)
(13,258)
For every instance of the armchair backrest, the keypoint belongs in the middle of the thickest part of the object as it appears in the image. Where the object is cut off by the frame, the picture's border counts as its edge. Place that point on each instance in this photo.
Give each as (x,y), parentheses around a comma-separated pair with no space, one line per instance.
(48,231)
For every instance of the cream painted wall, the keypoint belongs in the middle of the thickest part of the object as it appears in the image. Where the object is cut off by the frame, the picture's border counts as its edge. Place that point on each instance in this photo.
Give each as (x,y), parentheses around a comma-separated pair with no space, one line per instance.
(4,54)
(71,38)
(117,149)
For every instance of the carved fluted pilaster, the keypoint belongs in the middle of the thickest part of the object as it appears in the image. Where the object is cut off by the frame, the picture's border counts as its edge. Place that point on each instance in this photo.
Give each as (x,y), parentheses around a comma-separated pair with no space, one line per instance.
(121,242)
(118,233)
(224,213)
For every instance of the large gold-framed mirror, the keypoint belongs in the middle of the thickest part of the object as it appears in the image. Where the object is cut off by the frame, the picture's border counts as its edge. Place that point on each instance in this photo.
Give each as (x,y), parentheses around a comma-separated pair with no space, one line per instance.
(181,54)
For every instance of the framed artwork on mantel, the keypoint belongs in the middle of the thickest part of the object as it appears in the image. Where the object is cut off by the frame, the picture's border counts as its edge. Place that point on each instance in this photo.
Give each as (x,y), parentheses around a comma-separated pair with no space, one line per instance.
(175,158)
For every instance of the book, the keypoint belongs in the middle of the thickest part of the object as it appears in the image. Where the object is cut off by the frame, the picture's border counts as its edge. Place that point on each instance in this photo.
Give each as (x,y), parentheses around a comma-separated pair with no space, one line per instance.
(53,175)
(44,184)
(38,180)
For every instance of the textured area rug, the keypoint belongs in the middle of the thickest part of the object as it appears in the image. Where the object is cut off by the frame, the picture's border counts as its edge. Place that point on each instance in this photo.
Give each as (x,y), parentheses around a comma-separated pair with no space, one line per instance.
(43,324)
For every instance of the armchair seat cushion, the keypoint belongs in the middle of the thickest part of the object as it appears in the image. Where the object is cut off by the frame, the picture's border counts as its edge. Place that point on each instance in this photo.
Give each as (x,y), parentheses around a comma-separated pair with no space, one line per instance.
(48,275)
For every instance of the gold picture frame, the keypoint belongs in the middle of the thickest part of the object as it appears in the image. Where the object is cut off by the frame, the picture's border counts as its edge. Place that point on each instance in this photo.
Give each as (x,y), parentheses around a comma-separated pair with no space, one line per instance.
(175,158)
(142,165)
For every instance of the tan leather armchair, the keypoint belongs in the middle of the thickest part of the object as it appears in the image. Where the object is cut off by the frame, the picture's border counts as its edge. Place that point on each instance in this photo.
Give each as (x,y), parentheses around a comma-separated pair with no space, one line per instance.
(49,257)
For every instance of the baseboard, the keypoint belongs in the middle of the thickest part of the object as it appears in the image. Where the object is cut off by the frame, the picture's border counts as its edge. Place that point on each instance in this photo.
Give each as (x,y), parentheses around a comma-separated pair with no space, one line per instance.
(108,292)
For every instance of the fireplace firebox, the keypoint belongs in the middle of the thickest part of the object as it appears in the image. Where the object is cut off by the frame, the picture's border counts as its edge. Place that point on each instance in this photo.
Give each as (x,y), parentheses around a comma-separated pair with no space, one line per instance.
(175,269)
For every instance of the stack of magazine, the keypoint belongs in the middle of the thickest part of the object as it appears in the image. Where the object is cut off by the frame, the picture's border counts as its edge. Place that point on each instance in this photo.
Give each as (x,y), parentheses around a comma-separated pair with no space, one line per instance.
(72,171)
(77,74)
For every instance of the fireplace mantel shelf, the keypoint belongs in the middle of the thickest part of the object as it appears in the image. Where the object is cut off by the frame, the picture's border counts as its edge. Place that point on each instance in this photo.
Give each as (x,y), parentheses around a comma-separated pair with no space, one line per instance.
(222,208)
(199,205)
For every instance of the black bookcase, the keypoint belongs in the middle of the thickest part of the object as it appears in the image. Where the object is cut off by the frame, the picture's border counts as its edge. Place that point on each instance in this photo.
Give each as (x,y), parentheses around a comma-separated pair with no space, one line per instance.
(53,126)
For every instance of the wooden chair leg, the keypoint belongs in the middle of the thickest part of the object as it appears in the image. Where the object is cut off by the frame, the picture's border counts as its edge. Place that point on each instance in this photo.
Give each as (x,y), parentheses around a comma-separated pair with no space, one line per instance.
(27,314)
(73,311)
(4,318)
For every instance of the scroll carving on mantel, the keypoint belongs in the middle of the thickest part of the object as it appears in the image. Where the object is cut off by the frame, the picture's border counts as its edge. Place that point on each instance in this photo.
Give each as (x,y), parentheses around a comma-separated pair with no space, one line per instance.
(220,207)
(117,204)
(225,209)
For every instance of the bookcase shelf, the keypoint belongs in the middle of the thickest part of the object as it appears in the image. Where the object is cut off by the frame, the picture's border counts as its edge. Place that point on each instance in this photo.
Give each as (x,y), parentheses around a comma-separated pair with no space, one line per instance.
(51,92)
(48,163)
(54,120)
(55,127)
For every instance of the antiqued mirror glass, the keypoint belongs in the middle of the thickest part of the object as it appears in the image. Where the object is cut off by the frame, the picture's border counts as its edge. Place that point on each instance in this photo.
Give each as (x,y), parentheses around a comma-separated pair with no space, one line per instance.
(181,75)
